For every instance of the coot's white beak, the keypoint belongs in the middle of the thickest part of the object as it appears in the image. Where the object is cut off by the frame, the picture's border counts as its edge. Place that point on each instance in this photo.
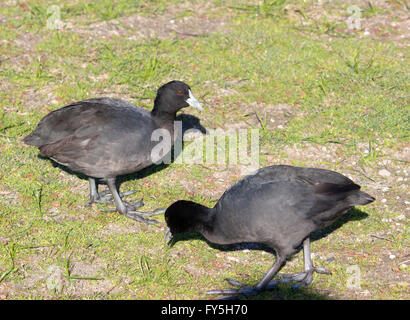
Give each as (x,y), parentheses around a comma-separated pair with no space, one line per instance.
(193,102)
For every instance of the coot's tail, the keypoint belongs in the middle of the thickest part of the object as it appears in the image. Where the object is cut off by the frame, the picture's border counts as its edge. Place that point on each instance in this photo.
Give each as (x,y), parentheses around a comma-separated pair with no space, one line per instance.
(361,198)
(33,140)
(339,192)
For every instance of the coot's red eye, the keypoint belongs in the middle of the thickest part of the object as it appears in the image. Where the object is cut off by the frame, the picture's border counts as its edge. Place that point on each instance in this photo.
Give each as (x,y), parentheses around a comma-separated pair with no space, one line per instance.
(179,92)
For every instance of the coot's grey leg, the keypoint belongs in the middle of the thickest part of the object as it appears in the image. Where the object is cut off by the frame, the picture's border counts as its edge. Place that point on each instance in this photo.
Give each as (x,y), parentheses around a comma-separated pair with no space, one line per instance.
(130,211)
(106,196)
(264,284)
(305,277)
(94,196)
(117,199)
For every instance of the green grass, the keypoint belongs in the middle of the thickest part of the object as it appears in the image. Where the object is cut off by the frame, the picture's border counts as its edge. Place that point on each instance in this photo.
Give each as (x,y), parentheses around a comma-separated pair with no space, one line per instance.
(345,94)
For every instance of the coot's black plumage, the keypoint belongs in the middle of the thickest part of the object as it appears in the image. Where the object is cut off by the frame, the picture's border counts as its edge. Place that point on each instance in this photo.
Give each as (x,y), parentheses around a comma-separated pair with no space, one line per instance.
(104,137)
(279,206)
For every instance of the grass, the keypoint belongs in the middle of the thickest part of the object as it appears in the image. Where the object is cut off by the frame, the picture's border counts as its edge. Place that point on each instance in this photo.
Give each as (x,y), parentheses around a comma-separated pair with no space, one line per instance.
(348,103)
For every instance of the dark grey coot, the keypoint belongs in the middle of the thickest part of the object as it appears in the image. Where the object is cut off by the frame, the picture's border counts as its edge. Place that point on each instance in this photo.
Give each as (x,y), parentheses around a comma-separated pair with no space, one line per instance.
(103,138)
(279,206)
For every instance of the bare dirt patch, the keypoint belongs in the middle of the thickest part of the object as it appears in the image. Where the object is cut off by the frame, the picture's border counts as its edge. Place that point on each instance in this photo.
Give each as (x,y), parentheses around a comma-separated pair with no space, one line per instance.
(381,20)
(114,228)
(10,197)
(268,116)
(53,280)
(169,25)
(81,287)
(137,26)
(388,171)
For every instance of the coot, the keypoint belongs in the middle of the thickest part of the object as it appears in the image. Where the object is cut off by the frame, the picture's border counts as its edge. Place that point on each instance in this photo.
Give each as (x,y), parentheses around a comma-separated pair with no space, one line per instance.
(279,206)
(103,138)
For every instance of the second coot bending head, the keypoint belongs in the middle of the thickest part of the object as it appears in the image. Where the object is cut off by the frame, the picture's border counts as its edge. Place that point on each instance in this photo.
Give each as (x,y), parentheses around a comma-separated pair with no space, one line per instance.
(103,138)
(279,206)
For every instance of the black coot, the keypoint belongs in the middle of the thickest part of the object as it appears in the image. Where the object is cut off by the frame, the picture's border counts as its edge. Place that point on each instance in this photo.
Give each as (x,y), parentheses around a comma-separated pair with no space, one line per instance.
(104,138)
(279,206)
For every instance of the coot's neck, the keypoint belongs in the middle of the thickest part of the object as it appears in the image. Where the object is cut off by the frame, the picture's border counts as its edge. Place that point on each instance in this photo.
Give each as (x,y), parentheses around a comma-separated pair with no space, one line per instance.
(160,113)
(208,223)
(162,116)
(204,220)
(201,218)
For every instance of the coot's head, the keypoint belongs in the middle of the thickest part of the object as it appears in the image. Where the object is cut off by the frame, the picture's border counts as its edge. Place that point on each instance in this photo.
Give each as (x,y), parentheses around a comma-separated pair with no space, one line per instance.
(174,96)
(184,216)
